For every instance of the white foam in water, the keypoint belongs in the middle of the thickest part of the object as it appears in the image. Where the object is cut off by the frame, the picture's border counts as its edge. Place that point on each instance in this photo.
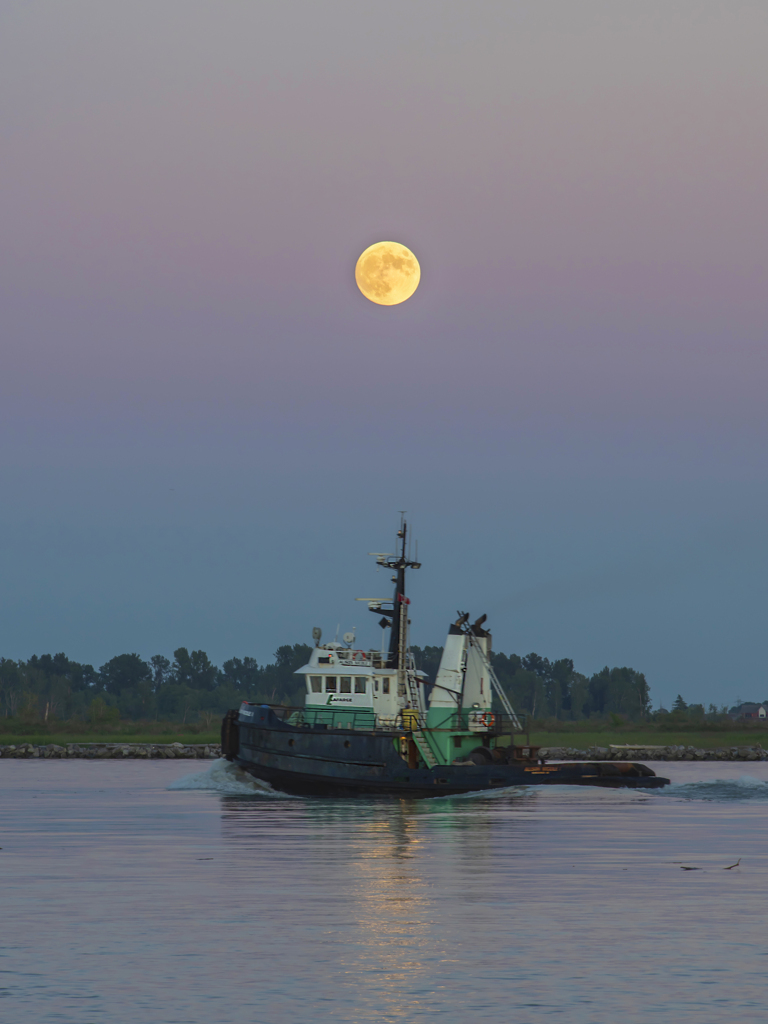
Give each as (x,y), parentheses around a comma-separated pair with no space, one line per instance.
(484,794)
(746,787)
(226,778)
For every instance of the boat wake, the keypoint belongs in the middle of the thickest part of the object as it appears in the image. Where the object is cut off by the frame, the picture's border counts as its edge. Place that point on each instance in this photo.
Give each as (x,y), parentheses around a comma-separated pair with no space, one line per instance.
(746,787)
(484,794)
(226,778)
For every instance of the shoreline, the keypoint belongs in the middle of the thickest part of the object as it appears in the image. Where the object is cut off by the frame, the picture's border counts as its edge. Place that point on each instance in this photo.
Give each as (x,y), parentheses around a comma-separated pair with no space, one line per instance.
(626,752)
(116,751)
(211,751)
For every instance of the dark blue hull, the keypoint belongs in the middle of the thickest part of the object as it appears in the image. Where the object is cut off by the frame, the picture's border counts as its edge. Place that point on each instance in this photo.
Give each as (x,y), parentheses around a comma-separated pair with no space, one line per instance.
(352,762)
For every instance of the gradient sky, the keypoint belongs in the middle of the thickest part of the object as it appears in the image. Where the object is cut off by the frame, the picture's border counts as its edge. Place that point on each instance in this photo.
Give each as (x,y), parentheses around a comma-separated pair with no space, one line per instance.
(204,426)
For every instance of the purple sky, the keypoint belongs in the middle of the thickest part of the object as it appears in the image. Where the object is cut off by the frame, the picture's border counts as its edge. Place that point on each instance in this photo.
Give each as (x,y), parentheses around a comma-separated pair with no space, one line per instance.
(205,426)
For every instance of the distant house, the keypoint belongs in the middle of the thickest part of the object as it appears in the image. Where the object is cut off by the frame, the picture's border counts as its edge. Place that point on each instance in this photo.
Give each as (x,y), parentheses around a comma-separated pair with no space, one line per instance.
(749,710)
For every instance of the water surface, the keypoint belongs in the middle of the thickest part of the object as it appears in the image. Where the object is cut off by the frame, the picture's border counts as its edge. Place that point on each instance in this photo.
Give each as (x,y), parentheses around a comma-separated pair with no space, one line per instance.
(210,901)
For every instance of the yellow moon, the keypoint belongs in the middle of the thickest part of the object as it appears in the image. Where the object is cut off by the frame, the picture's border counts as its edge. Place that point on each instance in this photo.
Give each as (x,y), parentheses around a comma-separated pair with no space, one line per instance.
(387,273)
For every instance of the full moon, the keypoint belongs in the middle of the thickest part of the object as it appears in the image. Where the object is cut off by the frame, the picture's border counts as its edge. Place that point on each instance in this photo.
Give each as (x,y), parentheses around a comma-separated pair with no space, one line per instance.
(387,273)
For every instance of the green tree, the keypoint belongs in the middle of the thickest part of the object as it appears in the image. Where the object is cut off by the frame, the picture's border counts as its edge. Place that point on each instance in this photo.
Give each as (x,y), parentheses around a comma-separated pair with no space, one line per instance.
(621,691)
(427,660)
(124,672)
(138,701)
(579,696)
(560,680)
(161,670)
(11,686)
(695,712)
(241,676)
(194,670)
(550,692)
(279,681)
(101,713)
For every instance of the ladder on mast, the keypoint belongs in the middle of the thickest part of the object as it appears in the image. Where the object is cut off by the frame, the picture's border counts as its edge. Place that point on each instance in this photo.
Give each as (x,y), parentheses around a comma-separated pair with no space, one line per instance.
(497,687)
(411,687)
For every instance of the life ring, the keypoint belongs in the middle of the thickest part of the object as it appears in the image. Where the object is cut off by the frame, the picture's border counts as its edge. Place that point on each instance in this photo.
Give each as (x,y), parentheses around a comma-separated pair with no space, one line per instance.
(486,719)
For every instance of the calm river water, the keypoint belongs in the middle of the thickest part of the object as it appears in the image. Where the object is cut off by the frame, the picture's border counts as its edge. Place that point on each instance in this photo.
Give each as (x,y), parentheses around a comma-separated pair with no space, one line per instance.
(173,892)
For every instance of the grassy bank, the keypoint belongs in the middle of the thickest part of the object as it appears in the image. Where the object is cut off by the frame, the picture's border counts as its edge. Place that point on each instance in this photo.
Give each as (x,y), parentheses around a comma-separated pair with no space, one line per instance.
(601,734)
(548,733)
(119,732)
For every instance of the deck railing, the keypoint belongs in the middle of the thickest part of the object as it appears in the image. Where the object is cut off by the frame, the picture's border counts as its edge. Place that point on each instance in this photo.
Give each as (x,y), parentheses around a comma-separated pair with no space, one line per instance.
(329,718)
(488,723)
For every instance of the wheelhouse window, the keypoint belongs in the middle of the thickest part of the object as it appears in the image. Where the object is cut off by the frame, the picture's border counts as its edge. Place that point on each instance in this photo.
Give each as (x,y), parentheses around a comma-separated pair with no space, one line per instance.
(316,684)
(360,684)
(330,684)
(385,684)
(345,684)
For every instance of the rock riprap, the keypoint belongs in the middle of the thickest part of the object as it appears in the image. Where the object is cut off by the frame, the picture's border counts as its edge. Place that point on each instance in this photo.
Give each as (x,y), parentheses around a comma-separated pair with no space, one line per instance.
(617,752)
(213,750)
(93,751)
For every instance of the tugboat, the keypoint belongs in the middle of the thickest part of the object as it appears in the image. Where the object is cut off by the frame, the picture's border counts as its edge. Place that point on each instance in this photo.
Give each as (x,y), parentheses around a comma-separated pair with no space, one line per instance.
(372,723)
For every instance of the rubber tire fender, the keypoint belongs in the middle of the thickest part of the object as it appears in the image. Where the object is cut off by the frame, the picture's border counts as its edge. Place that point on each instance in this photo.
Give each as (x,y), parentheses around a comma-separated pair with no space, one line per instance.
(230,735)
(480,755)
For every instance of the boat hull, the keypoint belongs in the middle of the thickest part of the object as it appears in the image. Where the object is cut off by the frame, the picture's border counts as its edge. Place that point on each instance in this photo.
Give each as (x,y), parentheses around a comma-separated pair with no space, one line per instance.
(342,762)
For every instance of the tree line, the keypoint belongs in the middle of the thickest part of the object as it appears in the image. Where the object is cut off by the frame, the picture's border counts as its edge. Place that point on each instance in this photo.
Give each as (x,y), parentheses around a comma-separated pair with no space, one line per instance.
(554,689)
(190,688)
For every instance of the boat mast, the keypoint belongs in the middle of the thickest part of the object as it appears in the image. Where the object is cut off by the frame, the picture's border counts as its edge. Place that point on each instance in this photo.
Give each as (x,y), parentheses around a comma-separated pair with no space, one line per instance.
(398,640)
(398,637)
